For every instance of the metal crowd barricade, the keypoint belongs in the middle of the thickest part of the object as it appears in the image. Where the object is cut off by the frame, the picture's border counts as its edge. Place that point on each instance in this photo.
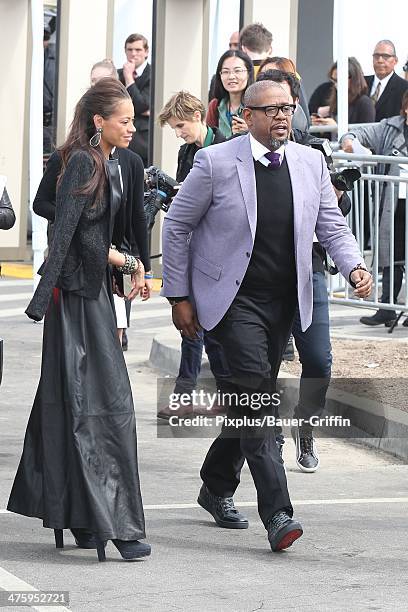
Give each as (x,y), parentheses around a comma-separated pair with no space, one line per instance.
(340,292)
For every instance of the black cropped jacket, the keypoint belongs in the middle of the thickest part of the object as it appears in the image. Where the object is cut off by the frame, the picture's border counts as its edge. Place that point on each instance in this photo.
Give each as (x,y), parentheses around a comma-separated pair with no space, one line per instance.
(78,254)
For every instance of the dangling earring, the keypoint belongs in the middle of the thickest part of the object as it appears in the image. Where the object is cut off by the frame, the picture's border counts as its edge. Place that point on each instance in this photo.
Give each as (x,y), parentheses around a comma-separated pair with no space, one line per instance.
(96,138)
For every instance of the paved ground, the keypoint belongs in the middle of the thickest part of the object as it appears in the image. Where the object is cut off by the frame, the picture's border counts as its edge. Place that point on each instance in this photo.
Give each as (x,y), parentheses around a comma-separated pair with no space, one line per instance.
(353,555)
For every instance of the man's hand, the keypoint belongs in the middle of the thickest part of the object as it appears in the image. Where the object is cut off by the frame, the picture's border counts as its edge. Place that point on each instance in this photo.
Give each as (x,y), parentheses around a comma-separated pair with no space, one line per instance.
(347,145)
(146,290)
(185,319)
(128,70)
(363,281)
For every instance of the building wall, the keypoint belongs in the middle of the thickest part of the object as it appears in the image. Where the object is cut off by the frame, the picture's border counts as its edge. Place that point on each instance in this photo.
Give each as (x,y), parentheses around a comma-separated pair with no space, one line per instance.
(14,98)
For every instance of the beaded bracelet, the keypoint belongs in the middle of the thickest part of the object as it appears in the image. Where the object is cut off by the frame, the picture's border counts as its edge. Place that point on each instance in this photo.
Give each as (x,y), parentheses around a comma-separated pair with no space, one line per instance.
(147,275)
(131,265)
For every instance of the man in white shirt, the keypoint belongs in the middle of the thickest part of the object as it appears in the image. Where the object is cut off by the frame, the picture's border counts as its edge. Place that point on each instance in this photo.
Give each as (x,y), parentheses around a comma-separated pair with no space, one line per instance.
(385,87)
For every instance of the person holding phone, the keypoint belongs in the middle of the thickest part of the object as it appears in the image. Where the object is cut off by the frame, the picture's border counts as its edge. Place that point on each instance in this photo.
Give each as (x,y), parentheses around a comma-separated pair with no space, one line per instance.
(360,107)
(234,73)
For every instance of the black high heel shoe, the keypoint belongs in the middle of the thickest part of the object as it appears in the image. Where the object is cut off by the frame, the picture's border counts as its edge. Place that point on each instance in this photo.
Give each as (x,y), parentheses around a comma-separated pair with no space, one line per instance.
(129,549)
(83,538)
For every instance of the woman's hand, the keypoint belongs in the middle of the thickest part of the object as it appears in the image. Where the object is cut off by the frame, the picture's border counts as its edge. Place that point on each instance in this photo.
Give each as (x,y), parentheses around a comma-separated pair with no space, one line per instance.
(138,282)
(238,125)
(323,121)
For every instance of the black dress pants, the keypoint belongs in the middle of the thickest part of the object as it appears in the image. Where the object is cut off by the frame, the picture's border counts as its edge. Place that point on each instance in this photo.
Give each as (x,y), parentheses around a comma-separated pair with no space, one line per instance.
(253,333)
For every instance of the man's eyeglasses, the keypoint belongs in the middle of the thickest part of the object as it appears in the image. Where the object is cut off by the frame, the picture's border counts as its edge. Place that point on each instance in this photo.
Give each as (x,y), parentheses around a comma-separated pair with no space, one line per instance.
(385,56)
(239,72)
(273,111)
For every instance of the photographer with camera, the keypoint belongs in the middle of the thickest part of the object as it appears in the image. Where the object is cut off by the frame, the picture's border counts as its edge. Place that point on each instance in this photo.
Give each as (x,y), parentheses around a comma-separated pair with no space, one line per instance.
(388,137)
(185,114)
(313,345)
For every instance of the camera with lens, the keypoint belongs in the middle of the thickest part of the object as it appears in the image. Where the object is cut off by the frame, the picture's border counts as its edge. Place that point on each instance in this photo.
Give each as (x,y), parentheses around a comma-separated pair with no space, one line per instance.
(160,190)
(342,179)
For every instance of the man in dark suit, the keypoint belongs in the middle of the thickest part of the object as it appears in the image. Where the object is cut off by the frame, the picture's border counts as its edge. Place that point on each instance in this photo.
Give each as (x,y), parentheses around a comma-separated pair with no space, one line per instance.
(135,75)
(385,87)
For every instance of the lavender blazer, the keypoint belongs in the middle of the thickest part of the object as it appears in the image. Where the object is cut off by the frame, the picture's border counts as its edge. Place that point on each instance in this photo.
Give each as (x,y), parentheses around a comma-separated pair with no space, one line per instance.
(217,205)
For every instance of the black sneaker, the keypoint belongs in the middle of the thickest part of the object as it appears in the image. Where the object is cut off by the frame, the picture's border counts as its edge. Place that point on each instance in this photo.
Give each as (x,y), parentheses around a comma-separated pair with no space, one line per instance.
(381,317)
(307,458)
(222,509)
(283,531)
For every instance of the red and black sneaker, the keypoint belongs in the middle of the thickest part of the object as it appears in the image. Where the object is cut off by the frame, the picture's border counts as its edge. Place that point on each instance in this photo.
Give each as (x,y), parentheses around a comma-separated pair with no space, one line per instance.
(283,531)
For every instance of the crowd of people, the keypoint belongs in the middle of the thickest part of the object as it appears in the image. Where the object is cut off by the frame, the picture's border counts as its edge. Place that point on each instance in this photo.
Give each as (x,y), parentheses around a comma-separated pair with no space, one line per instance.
(244,251)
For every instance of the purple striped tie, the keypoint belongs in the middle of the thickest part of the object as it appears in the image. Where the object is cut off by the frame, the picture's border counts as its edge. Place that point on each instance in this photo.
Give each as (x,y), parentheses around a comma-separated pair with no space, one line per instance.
(274,160)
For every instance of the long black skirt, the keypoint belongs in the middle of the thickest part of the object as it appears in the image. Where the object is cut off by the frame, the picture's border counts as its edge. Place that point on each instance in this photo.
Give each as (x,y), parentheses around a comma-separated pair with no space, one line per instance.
(79,463)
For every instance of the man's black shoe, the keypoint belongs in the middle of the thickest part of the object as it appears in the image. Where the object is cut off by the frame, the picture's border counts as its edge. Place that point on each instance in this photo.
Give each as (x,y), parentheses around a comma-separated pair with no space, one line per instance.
(381,317)
(289,354)
(307,458)
(283,531)
(222,509)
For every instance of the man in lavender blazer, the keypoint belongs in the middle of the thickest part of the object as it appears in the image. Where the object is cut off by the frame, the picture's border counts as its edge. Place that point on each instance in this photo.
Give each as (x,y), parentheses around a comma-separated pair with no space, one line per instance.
(237,257)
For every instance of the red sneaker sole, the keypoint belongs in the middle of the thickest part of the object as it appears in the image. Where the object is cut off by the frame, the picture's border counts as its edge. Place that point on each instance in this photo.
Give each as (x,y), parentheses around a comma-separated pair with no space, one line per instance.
(289,538)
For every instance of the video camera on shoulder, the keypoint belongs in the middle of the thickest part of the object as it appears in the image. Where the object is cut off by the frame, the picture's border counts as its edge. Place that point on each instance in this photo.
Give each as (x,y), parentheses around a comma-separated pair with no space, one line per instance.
(160,190)
(342,179)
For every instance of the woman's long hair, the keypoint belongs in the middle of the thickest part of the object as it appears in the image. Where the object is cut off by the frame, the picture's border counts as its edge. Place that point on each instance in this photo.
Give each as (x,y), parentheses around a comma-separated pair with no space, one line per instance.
(219,90)
(357,86)
(101,99)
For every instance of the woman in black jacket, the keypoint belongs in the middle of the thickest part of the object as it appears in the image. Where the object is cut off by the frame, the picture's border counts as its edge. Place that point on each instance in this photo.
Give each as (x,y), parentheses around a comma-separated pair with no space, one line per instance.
(135,228)
(132,215)
(79,464)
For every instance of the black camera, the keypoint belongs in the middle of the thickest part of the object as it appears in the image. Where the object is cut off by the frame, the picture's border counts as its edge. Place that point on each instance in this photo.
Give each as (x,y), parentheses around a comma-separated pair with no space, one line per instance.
(160,190)
(341,179)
